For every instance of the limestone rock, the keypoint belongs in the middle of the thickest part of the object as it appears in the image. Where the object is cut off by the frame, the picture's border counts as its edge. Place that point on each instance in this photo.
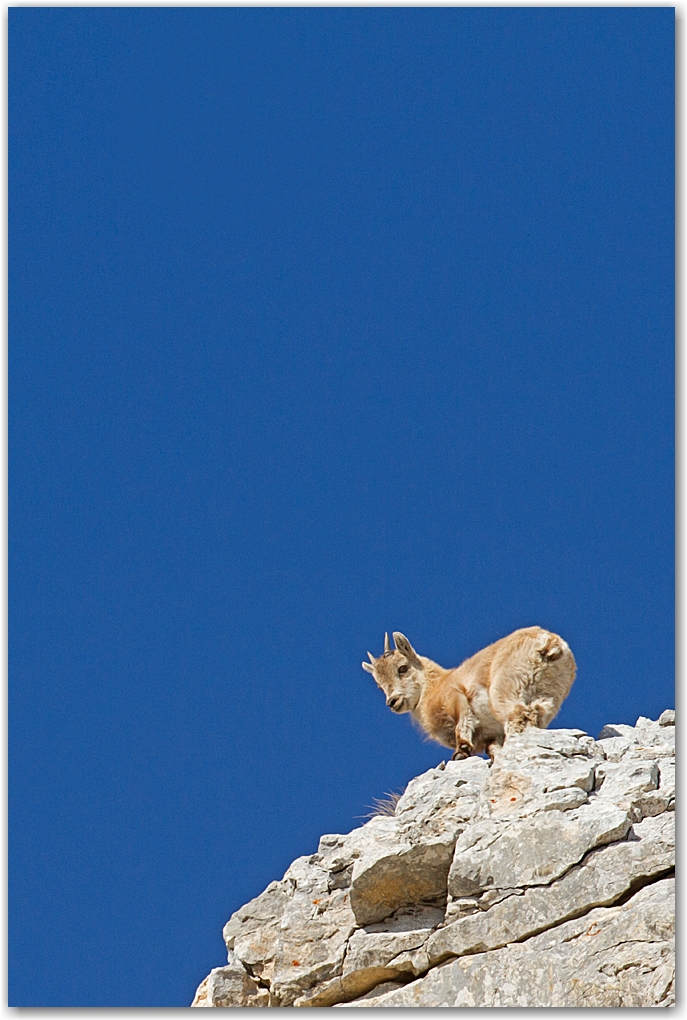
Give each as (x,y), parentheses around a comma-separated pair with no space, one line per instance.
(408,861)
(231,986)
(603,877)
(535,819)
(614,956)
(512,884)
(304,941)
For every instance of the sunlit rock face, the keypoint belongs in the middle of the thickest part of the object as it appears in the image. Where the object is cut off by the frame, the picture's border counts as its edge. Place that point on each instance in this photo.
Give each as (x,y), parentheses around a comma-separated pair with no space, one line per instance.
(545,879)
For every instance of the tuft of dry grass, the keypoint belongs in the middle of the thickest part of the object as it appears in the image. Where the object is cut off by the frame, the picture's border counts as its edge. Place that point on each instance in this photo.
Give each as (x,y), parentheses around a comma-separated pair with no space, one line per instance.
(385,805)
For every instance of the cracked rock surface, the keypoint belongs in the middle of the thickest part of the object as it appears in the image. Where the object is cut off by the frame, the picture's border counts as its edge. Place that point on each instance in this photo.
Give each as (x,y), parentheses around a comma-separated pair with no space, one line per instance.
(543,880)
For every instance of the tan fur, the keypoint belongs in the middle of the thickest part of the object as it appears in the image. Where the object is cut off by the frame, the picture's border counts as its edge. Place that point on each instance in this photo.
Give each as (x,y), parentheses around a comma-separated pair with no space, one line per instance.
(519,681)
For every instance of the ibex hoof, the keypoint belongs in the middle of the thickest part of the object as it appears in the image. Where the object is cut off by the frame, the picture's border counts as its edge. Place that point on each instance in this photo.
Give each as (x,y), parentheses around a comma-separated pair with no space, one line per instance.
(461,752)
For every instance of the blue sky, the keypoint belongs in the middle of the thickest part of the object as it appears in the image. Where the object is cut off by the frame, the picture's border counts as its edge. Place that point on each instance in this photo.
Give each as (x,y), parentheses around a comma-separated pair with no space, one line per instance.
(323,322)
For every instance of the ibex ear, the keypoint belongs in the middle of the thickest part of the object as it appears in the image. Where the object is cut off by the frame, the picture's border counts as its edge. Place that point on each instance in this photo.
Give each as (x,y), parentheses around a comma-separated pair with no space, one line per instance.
(366,666)
(404,646)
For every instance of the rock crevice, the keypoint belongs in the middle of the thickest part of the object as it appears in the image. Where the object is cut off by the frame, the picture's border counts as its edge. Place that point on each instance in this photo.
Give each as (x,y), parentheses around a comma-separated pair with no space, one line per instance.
(543,880)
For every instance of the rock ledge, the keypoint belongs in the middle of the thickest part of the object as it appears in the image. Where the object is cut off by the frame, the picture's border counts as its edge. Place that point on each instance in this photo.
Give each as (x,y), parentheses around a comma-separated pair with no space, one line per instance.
(546,879)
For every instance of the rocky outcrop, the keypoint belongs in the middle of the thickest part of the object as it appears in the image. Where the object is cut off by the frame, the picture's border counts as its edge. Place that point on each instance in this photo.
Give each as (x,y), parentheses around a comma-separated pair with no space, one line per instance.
(545,879)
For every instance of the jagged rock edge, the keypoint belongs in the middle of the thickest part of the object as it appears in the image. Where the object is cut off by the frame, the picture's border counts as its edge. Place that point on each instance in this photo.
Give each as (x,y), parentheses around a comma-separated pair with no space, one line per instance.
(372,975)
(640,882)
(573,916)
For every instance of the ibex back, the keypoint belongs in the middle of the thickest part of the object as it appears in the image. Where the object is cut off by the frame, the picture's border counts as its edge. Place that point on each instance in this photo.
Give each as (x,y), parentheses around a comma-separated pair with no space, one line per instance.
(519,681)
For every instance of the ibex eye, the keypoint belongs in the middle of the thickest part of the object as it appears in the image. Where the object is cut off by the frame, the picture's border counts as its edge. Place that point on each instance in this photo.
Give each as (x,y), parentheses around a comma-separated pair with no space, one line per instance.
(402,669)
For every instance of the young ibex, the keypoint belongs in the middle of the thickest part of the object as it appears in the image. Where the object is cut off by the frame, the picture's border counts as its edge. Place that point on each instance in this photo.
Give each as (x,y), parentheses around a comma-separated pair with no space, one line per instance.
(519,681)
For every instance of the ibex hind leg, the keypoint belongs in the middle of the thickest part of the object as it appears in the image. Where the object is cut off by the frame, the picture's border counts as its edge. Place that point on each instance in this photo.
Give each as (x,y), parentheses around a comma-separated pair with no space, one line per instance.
(521,717)
(492,747)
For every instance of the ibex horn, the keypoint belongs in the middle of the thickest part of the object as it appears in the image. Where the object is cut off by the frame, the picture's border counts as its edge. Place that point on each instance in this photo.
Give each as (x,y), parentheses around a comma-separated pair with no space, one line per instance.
(371,658)
(387,646)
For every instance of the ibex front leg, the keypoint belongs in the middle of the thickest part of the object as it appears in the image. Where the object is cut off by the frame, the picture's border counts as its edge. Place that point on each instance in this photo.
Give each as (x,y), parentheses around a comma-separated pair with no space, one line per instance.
(466,723)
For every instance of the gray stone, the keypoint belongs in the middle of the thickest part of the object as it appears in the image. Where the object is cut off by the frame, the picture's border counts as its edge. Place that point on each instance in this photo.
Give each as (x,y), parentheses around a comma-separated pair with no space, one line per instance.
(605,875)
(264,909)
(231,986)
(405,874)
(540,880)
(612,957)
(406,859)
(519,852)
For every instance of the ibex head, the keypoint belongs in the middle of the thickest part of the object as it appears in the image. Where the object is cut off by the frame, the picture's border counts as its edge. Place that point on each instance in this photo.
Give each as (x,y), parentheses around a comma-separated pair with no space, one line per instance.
(398,673)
